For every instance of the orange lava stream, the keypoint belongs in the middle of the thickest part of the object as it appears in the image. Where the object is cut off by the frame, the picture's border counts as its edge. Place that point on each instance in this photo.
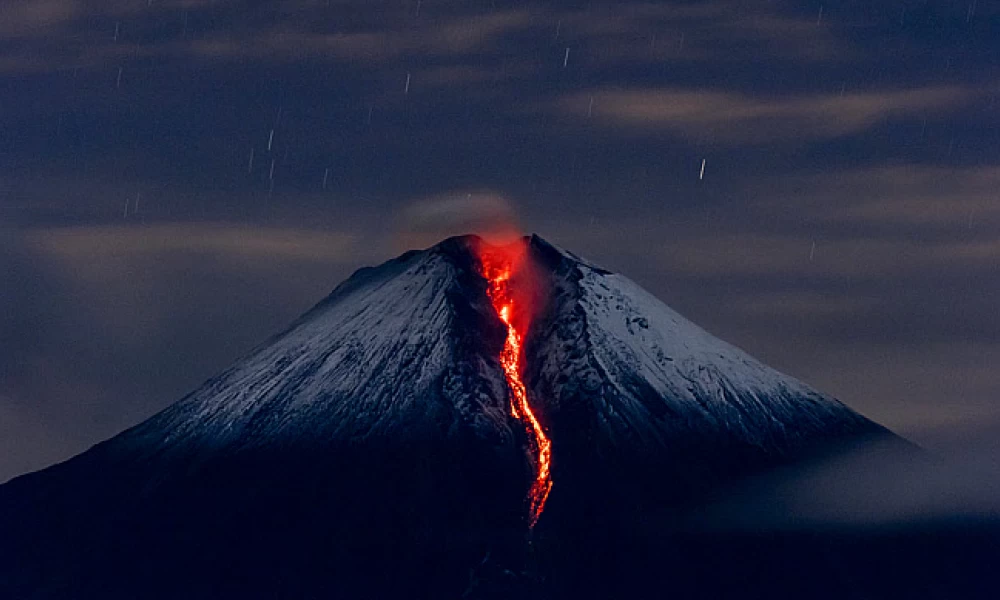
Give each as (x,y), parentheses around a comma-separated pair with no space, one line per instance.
(520,408)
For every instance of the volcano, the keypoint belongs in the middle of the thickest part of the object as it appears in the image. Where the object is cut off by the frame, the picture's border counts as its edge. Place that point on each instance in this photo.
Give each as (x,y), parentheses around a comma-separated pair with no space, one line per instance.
(462,421)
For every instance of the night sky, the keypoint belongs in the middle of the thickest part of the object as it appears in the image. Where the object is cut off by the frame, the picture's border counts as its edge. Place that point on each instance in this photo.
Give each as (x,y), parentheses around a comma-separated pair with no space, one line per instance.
(816,182)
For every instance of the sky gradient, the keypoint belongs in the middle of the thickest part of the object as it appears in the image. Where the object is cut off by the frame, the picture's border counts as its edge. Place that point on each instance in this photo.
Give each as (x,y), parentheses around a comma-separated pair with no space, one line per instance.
(814,182)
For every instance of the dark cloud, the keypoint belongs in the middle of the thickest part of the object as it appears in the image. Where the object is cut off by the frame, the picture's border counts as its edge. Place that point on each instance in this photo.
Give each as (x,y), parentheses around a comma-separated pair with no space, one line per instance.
(735,119)
(103,326)
(876,487)
(909,197)
(183,177)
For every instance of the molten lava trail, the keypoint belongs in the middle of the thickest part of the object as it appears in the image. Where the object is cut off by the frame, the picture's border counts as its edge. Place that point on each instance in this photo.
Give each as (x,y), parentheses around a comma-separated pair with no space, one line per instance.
(511,357)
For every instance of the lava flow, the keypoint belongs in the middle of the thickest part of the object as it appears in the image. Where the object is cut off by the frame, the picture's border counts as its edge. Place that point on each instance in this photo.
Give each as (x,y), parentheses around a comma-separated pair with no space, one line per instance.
(497,271)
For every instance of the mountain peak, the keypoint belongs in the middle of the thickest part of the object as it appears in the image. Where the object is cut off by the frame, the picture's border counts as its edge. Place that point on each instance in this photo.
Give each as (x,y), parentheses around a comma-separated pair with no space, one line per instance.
(410,350)
(411,422)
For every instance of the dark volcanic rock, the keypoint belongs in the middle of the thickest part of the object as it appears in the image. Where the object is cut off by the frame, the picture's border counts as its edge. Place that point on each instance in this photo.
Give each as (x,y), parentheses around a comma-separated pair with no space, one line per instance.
(368,451)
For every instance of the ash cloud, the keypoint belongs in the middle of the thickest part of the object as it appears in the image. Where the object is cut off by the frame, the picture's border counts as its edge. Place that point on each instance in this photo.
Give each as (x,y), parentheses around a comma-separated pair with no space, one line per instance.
(425,221)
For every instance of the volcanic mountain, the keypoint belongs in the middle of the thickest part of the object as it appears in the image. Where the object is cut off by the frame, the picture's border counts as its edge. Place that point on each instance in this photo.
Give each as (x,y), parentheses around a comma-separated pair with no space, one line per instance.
(392,443)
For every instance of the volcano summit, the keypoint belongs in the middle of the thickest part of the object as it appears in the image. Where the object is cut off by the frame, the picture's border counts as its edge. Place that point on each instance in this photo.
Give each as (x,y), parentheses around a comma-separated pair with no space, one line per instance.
(402,439)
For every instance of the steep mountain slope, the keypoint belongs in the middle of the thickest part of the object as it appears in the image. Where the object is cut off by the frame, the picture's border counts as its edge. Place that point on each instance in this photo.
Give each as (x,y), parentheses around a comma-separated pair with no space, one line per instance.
(649,377)
(370,435)
(396,353)
(370,450)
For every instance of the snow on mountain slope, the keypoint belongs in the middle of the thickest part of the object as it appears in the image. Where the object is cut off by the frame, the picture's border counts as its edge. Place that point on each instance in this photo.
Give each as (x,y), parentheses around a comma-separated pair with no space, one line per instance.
(390,353)
(650,378)
(369,451)
(409,350)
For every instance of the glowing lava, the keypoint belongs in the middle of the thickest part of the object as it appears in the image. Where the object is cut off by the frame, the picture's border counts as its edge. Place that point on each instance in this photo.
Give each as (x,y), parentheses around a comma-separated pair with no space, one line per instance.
(497,271)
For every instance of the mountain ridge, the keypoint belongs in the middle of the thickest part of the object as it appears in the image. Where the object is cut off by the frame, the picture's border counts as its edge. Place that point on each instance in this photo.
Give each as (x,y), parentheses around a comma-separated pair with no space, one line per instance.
(373,435)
